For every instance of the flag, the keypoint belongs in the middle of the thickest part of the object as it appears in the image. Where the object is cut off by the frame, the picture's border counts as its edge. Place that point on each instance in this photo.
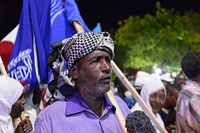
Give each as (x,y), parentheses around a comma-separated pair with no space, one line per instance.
(12,35)
(42,22)
(62,15)
(97,28)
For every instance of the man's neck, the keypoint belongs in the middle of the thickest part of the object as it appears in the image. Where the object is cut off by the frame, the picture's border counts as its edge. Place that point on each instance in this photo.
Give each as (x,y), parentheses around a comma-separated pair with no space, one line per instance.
(95,104)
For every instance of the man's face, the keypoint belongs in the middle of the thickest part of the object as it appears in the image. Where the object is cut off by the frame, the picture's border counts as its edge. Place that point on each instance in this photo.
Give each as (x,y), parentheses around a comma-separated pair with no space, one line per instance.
(180,80)
(94,74)
(172,98)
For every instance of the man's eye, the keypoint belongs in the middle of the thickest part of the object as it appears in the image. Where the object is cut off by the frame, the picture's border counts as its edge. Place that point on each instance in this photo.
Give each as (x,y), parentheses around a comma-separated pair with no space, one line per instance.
(96,60)
(108,59)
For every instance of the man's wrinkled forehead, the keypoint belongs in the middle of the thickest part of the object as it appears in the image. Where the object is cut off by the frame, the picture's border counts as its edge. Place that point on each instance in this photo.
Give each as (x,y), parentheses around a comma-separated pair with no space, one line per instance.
(94,54)
(99,53)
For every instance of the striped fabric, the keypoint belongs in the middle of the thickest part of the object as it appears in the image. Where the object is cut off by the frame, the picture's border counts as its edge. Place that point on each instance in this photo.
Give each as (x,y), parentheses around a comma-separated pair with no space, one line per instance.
(188,105)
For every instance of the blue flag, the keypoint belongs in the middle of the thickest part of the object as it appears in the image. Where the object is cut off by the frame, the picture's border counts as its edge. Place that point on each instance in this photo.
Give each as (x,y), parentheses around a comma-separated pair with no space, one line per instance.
(42,22)
(62,15)
(97,28)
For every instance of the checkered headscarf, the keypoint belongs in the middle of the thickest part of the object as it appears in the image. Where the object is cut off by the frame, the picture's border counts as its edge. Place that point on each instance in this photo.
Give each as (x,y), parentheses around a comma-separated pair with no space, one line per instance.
(84,43)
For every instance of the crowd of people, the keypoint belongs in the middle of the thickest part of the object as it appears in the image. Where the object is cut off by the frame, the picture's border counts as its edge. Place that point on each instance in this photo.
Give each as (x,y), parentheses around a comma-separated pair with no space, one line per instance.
(80,104)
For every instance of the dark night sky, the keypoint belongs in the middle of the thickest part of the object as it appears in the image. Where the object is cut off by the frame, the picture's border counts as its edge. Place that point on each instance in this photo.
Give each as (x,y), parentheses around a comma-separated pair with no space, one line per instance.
(107,12)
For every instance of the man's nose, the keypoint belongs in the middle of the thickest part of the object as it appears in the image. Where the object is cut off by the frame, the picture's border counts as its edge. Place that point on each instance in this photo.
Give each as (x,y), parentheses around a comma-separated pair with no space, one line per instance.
(105,65)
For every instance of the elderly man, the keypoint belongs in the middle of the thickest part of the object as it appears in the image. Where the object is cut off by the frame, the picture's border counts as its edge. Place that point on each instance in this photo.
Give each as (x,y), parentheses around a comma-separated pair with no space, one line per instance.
(87,110)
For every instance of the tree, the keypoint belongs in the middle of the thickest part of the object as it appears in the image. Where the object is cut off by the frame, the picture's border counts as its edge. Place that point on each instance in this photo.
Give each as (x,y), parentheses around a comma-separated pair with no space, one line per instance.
(160,39)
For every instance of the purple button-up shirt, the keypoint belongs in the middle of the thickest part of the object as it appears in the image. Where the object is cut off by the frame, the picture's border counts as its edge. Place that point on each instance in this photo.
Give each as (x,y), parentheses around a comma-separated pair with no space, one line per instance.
(75,116)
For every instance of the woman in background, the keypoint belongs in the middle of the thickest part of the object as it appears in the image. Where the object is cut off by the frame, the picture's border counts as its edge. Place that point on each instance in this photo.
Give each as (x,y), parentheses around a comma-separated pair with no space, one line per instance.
(153,93)
(11,106)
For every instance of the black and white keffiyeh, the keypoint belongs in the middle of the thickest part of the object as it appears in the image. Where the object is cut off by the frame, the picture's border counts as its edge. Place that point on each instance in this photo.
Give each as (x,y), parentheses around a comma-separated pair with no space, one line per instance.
(71,50)
(84,43)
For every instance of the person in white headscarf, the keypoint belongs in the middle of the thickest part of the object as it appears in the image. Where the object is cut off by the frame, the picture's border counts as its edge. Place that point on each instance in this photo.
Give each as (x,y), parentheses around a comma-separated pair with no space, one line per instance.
(139,78)
(153,93)
(11,106)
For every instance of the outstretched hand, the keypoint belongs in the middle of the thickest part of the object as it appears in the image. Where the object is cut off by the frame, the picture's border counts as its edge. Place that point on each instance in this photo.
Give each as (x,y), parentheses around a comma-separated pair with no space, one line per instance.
(24,126)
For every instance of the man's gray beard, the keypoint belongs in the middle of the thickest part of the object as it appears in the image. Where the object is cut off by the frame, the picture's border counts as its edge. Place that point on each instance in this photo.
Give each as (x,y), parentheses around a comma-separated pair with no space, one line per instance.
(96,90)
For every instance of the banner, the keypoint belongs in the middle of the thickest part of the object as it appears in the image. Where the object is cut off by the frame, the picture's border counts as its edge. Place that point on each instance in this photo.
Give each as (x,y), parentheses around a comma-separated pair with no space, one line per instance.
(42,22)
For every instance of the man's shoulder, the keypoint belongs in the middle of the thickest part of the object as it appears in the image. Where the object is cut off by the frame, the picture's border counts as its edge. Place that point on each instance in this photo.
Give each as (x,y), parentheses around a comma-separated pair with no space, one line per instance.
(189,91)
(123,106)
(119,100)
(192,85)
(57,107)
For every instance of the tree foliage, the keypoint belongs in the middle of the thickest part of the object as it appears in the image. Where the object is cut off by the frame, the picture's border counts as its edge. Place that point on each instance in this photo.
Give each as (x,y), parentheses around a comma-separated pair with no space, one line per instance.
(160,39)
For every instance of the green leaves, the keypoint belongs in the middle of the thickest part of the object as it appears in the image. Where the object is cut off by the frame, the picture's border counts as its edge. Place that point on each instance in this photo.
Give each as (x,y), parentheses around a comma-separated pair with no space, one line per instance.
(159,39)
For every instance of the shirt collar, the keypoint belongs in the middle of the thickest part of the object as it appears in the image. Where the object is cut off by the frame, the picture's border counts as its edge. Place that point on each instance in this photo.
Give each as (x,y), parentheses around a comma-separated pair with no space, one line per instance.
(75,104)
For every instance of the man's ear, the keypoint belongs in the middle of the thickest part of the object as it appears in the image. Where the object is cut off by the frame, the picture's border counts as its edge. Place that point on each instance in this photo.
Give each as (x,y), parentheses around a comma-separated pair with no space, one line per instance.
(74,72)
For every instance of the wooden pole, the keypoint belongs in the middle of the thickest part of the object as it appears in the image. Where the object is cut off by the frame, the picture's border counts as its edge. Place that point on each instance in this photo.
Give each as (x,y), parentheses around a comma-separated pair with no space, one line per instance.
(109,94)
(2,68)
(137,97)
(78,27)
(118,112)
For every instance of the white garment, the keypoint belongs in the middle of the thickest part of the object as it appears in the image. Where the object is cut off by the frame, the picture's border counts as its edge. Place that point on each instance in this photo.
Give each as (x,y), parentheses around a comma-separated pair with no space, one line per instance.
(150,85)
(140,79)
(30,109)
(10,91)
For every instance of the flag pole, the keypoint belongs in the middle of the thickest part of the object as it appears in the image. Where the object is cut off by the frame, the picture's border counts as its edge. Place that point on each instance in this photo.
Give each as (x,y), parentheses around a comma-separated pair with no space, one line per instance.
(109,94)
(137,96)
(78,27)
(2,68)
(132,90)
